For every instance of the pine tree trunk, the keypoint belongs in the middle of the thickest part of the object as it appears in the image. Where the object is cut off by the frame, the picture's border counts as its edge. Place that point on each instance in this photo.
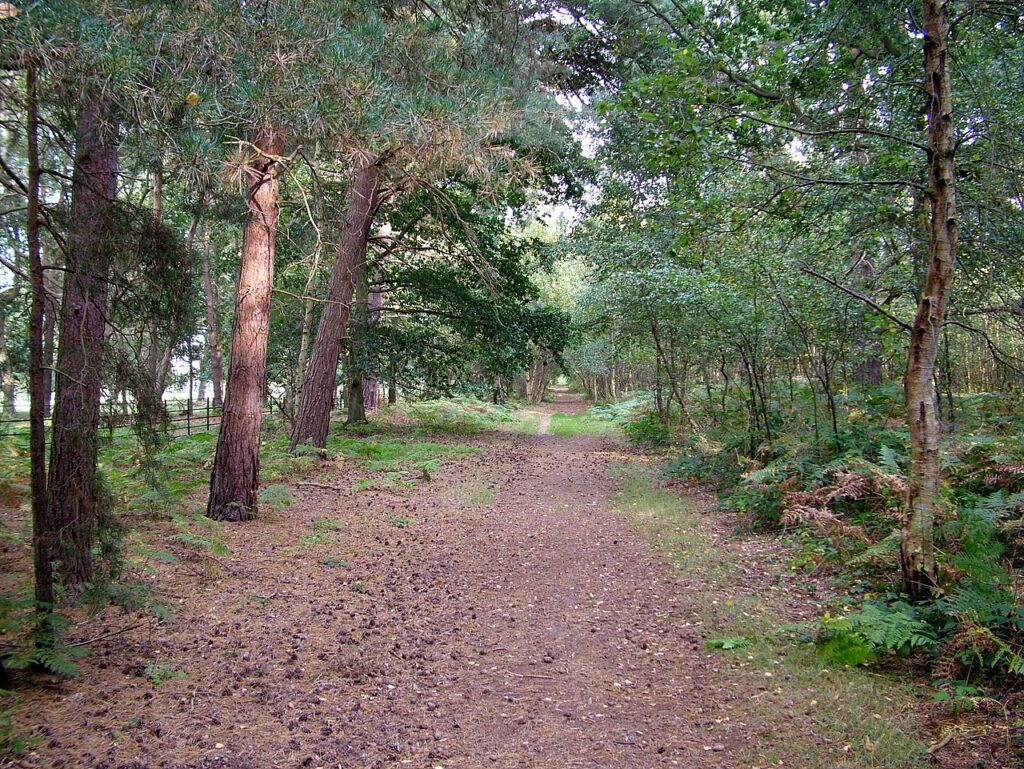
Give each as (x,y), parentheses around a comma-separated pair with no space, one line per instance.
(234,482)
(38,375)
(216,355)
(306,333)
(51,310)
(72,504)
(920,572)
(8,404)
(371,378)
(357,347)
(317,399)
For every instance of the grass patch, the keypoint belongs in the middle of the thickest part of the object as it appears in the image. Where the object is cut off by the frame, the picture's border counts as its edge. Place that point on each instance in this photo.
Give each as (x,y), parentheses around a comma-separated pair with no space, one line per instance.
(834,716)
(322,534)
(525,421)
(395,454)
(473,493)
(584,423)
(463,416)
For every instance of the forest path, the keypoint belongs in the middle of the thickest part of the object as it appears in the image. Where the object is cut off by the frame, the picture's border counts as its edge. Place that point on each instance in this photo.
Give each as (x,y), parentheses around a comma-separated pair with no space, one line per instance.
(502,615)
(545,424)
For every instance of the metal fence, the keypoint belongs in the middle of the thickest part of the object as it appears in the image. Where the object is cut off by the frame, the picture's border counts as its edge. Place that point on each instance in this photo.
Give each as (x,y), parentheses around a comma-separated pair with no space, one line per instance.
(181,417)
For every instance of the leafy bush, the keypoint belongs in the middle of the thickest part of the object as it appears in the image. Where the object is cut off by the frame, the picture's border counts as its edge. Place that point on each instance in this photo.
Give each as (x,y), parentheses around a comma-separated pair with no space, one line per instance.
(463,417)
(718,466)
(761,504)
(648,430)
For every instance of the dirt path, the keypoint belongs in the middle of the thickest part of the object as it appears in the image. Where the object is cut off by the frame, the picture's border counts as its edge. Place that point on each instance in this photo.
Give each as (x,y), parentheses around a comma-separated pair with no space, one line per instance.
(499,616)
(545,425)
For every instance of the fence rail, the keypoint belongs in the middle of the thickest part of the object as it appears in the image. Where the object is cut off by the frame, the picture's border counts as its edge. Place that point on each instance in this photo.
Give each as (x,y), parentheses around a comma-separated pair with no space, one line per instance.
(183,417)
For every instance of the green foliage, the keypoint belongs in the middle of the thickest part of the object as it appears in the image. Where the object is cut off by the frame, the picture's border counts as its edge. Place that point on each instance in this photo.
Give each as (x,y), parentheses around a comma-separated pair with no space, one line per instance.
(717,466)
(960,695)
(278,461)
(730,642)
(12,742)
(321,534)
(844,647)
(395,454)
(761,504)
(275,497)
(648,430)
(200,533)
(892,626)
(461,417)
(160,672)
(36,637)
(584,423)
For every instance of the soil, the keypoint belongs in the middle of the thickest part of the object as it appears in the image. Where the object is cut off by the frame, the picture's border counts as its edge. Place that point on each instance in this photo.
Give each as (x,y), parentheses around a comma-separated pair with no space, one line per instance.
(501,614)
(498,616)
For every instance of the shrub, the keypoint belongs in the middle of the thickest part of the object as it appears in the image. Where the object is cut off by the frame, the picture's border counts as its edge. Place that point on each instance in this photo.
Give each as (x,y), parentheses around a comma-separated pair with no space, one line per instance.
(648,430)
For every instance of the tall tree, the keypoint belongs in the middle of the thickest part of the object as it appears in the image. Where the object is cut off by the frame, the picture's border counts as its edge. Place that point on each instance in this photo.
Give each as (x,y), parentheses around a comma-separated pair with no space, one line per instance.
(39,394)
(234,483)
(80,356)
(317,398)
(918,548)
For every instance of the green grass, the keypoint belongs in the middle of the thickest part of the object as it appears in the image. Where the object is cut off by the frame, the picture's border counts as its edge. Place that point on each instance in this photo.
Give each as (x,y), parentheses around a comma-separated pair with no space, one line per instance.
(394,454)
(322,534)
(584,423)
(526,421)
(464,416)
(862,720)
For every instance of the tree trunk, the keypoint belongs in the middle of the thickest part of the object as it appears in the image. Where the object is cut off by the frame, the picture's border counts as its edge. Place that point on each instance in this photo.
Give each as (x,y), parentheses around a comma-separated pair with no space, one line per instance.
(8,402)
(868,367)
(234,482)
(371,378)
(317,399)
(917,555)
(157,354)
(52,299)
(71,508)
(307,323)
(38,375)
(358,352)
(538,378)
(216,355)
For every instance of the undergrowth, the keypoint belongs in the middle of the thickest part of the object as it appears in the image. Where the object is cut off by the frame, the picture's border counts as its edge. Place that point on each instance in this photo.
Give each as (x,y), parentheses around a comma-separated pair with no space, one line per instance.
(841,493)
(828,715)
(462,416)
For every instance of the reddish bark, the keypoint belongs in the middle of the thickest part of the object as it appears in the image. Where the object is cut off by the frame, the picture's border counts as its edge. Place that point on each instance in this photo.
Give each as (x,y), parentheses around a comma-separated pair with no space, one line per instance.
(71,509)
(234,482)
(317,399)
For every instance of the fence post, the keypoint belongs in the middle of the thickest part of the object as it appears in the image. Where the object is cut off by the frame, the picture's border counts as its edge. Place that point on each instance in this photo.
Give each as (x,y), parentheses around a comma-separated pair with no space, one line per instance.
(207,415)
(188,416)
(110,419)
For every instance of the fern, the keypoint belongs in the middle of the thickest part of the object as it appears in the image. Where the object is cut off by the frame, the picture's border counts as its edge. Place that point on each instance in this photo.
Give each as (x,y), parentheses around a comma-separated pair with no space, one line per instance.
(894,627)
(276,497)
(882,550)
(889,461)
